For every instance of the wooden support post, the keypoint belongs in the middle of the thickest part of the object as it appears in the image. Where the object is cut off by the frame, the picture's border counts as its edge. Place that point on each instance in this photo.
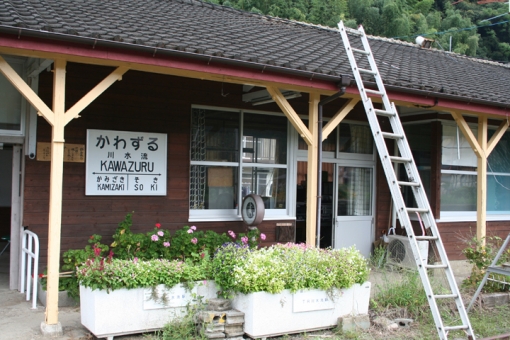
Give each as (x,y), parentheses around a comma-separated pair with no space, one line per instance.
(481,183)
(311,181)
(56,180)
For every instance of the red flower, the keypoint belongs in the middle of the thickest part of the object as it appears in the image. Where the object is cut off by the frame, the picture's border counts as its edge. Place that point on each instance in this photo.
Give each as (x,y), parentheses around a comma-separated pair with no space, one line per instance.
(92,237)
(97,251)
(158,225)
(41,276)
(202,255)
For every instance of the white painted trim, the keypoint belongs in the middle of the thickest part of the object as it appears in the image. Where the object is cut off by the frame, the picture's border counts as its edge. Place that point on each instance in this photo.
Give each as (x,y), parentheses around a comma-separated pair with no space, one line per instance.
(16,209)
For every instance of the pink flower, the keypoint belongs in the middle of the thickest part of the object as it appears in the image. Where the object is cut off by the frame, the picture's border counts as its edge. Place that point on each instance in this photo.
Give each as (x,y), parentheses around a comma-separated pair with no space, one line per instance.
(154,237)
(202,255)
(193,227)
(244,239)
(262,237)
(135,260)
(166,244)
(190,231)
(194,240)
(158,225)
(110,255)
(160,233)
(232,234)
(97,251)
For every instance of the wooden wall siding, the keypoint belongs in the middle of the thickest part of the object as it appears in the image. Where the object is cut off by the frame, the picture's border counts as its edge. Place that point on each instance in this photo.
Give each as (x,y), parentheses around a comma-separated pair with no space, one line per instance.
(139,102)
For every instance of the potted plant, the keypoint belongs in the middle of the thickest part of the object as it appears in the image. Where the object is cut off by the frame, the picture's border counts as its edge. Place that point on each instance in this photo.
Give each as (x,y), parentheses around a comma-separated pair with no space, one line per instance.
(291,288)
(120,297)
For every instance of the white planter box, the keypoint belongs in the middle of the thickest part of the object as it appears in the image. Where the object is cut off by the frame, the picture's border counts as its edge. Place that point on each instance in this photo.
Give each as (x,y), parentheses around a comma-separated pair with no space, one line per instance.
(286,313)
(130,311)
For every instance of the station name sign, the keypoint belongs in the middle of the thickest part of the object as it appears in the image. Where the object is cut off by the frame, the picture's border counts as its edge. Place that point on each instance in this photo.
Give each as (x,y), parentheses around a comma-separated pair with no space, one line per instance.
(122,163)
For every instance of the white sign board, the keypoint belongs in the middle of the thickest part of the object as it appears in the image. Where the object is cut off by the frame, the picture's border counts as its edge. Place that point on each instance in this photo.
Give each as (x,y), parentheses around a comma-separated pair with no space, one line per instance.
(121,163)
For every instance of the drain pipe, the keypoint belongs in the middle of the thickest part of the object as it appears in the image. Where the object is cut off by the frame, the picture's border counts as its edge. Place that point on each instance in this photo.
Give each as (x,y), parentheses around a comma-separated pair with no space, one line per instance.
(344,82)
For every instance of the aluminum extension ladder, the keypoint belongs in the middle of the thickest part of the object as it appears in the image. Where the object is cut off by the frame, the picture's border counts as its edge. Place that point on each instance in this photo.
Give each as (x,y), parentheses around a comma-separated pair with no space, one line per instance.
(413,181)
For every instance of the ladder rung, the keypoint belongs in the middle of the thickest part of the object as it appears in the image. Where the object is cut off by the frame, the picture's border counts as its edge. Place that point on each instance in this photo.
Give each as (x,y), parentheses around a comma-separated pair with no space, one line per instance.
(353,31)
(392,135)
(424,238)
(418,210)
(397,159)
(379,93)
(362,70)
(409,184)
(360,51)
(384,113)
(446,296)
(436,266)
(455,328)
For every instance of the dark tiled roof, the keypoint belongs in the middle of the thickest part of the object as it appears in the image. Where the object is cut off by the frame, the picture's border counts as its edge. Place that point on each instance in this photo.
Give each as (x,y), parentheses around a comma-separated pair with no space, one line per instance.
(216,31)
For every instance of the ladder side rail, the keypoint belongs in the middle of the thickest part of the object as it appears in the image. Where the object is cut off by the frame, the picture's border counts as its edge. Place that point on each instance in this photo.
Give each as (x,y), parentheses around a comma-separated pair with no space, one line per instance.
(352,60)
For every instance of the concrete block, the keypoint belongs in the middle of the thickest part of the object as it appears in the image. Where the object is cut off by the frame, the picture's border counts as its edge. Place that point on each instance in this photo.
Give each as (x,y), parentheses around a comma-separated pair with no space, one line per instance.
(352,323)
(51,331)
(403,322)
(234,330)
(214,327)
(219,305)
(211,317)
(495,299)
(234,317)
(215,335)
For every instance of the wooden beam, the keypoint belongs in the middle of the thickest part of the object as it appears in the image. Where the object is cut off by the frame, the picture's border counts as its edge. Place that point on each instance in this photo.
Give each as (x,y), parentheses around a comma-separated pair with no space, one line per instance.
(25,90)
(481,181)
(56,181)
(496,137)
(466,130)
(311,179)
(291,115)
(94,93)
(338,117)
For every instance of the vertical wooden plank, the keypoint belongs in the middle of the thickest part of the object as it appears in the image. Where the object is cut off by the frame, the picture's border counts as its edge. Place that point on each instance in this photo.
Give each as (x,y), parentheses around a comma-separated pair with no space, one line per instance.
(56,181)
(481,183)
(311,182)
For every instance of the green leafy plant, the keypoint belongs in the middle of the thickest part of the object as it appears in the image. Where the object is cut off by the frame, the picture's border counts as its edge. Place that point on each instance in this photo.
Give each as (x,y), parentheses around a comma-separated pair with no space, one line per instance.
(481,253)
(111,274)
(238,269)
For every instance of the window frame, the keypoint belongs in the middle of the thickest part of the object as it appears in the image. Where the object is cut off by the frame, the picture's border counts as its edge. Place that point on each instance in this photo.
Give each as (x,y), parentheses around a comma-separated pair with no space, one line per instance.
(202,215)
(467,215)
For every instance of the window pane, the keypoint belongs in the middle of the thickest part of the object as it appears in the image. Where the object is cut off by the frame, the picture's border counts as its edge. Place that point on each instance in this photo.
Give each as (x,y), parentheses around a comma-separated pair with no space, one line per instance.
(498,159)
(458,192)
(456,150)
(270,184)
(214,136)
(355,138)
(10,110)
(213,187)
(498,194)
(264,139)
(354,191)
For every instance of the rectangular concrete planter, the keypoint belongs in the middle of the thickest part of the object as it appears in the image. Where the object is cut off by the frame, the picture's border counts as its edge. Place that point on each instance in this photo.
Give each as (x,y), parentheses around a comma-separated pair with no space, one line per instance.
(286,313)
(131,311)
